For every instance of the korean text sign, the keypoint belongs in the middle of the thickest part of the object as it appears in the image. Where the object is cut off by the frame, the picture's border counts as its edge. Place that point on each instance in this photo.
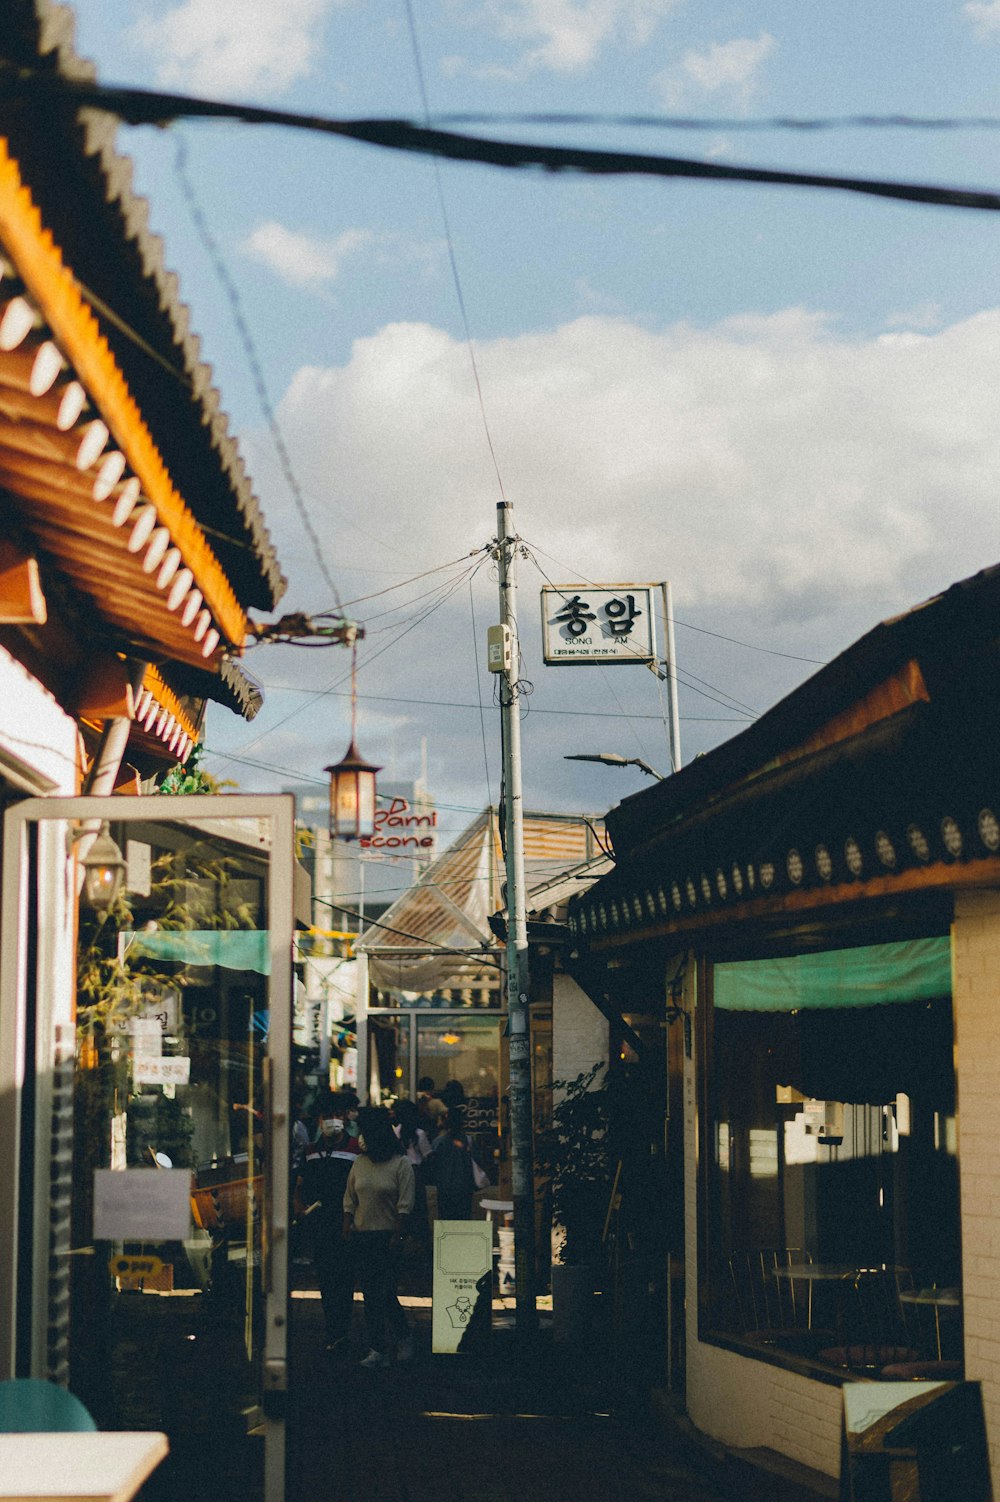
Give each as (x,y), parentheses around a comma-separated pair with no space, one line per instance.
(610,623)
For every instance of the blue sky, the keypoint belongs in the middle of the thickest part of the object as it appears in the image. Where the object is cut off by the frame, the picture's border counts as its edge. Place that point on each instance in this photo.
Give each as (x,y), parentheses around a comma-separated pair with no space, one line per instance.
(783,400)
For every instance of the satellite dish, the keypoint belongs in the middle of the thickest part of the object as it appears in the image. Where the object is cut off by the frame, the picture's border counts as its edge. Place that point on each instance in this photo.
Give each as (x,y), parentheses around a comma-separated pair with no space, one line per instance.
(162,1161)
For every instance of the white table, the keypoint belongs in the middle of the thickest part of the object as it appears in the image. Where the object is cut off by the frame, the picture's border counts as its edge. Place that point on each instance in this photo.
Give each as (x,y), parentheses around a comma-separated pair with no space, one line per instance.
(939,1298)
(815,1272)
(93,1466)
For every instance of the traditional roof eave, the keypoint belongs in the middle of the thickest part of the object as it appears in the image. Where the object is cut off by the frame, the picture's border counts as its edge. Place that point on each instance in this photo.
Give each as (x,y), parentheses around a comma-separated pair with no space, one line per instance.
(102,228)
(911,654)
(57,295)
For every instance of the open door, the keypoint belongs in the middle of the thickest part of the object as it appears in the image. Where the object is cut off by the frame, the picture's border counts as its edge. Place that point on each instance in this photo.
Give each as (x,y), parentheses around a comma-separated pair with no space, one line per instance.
(144,1087)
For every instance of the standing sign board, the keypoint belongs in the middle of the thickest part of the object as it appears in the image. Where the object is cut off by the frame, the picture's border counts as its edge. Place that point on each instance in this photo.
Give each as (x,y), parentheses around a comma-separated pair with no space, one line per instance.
(608,623)
(463,1256)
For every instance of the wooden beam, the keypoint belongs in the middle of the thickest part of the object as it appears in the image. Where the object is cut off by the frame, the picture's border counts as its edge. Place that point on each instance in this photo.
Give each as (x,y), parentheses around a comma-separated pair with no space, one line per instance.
(22,600)
(104,690)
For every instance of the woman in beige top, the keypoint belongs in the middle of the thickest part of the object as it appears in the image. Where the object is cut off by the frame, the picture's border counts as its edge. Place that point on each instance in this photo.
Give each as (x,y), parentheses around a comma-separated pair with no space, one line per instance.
(377,1201)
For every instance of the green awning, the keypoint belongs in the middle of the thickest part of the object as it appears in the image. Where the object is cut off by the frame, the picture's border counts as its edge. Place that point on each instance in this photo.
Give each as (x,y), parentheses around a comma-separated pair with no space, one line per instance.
(232,948)
(873,975)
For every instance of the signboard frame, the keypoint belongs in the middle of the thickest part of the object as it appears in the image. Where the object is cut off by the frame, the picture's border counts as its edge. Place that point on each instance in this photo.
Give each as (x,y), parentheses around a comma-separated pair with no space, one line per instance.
(623,636)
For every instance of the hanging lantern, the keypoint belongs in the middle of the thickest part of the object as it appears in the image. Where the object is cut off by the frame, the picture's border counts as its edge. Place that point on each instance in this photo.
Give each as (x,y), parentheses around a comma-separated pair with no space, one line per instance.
(352,780)
(352,796)
(103,871)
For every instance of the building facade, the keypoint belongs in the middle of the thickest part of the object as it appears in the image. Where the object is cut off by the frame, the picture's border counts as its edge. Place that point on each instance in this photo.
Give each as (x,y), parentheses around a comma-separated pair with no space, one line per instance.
(814,909)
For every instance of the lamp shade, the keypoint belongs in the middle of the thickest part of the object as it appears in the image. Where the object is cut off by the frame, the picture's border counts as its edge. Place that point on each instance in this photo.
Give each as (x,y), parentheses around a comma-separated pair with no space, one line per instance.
(103,871)
(352,796)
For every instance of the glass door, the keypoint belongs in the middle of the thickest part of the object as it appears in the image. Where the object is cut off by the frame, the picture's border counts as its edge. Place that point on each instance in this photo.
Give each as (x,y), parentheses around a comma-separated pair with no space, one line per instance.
(144,1049)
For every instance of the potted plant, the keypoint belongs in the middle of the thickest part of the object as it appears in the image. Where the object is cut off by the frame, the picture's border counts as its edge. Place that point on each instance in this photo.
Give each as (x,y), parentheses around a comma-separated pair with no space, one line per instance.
(575,1152)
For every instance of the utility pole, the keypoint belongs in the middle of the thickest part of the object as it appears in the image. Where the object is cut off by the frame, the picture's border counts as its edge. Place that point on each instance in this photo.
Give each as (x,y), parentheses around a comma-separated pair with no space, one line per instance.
(518,1024)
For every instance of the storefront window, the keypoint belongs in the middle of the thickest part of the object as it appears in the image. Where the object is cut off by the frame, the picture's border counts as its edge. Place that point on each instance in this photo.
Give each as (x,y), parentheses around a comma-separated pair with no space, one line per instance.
(466,1050)
(831,1184)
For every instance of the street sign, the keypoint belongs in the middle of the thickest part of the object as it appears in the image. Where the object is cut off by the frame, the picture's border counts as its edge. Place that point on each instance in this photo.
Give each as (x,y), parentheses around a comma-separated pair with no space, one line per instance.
(607,623)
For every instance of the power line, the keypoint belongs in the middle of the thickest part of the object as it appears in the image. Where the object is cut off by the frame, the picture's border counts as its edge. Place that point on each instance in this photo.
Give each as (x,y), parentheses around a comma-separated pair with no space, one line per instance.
(256,369)
(456,279)
(725,702)
(155,107)
(585,714)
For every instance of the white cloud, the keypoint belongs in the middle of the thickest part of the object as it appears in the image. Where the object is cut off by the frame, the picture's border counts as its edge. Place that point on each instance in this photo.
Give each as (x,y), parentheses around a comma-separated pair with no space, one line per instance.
(228,47)
(566,36)
(984,15)
(795,484)
(304,260)
(925,315)
(770,461)
(728,68)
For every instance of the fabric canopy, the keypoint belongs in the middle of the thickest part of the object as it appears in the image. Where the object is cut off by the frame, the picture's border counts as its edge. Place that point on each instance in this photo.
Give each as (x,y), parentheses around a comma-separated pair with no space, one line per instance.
(873,975)
(232,948)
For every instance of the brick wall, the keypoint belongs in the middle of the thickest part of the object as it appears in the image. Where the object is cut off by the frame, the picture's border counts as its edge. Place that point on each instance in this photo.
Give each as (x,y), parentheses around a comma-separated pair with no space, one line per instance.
(976,998)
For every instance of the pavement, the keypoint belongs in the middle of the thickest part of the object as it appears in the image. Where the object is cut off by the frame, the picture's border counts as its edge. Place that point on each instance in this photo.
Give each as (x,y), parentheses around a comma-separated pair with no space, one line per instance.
(558,1425)
(493,1424)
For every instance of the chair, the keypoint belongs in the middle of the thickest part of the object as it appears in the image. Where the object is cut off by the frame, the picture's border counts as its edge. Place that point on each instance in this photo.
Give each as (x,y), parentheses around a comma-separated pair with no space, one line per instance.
(875,1328)
(768,1306)
(30,1405)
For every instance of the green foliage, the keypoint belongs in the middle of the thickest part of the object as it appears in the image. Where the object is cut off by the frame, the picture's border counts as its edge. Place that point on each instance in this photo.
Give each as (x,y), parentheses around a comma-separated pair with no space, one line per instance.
(188,777)
(576,1150)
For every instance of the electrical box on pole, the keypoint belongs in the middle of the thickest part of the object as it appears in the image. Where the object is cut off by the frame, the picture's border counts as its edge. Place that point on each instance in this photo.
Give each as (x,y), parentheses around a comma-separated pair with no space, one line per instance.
(498,649)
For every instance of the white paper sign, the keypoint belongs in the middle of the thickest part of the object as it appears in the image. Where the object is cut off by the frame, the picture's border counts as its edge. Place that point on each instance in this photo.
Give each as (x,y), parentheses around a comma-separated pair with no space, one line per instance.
(142,1204)
(147,1038)
(147,1070)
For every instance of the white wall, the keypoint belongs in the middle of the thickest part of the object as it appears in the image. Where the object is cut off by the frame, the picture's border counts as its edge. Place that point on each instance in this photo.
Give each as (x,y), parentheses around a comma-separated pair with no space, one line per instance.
(976,999)
(38,740)
(579,1030)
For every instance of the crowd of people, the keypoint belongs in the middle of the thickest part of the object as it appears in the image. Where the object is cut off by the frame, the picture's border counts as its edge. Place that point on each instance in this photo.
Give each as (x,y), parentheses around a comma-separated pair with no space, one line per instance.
(361,1177)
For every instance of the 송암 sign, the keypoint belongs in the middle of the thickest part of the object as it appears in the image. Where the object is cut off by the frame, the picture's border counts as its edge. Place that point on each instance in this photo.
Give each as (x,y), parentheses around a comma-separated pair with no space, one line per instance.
(610,623)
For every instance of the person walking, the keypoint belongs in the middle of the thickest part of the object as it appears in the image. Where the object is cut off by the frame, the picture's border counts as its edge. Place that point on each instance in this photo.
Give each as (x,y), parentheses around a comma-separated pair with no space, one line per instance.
(454,1170)
(319,1197)
(378,1200)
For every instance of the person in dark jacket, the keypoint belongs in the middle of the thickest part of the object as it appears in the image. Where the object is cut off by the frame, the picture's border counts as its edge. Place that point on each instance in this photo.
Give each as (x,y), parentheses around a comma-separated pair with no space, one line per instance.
(453,1170)
(319,1196)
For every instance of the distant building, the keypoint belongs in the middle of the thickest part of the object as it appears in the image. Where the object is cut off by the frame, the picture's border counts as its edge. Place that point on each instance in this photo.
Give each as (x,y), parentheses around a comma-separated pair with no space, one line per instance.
(353,885)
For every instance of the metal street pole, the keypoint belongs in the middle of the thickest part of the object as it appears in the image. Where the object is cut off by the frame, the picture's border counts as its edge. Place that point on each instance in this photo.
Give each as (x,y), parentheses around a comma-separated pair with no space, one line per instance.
(518,1024)
(670,654)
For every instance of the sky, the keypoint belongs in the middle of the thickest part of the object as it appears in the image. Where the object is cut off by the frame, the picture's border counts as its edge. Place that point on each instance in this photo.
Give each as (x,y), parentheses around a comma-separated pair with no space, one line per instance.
(782,400)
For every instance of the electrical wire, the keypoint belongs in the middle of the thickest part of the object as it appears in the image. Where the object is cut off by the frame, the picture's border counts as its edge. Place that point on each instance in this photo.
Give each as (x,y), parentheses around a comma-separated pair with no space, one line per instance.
(456,279)
(212,250)
(155,107)
(818,662)
(371,657)
(725,701)
(415,578)
(479,694)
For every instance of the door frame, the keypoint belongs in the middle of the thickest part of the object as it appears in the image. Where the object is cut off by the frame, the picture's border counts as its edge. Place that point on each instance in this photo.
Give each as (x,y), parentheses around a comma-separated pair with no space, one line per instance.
(37,930)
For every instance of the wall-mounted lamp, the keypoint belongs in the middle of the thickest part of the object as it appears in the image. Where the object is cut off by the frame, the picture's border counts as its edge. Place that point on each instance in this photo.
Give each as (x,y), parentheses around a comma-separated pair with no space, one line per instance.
(103,871)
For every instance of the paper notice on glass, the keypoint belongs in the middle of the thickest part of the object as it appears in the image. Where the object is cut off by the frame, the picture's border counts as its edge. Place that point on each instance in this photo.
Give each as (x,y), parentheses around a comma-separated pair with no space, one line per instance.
(142,1204)
(149,1070)
(147,1038)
